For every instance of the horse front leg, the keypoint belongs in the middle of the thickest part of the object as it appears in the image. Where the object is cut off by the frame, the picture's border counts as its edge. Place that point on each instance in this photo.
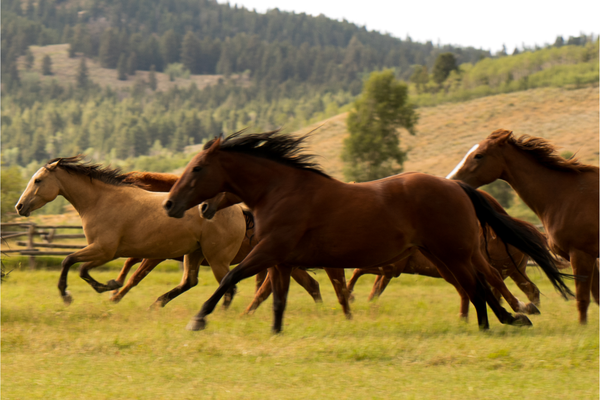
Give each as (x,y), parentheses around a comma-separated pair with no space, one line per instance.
(261,294)
(88,253)
(258,260)
(280,282)
(309,283)
(519,276)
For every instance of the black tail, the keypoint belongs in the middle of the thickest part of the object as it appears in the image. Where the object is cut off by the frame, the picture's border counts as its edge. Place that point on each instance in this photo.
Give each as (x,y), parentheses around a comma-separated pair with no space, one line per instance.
(515,234)
(249,219)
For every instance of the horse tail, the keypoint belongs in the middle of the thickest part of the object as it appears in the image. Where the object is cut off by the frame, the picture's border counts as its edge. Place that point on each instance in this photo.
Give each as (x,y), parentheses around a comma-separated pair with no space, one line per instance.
(517,234)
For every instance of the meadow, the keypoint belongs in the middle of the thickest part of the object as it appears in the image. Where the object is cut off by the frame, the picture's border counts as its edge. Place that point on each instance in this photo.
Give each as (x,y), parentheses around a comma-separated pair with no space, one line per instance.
(410,344)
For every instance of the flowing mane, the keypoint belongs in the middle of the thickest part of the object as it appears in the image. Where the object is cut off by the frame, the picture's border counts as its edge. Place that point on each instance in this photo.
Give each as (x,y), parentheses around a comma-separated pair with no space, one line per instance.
(76,165)
(284,149)
(543,152)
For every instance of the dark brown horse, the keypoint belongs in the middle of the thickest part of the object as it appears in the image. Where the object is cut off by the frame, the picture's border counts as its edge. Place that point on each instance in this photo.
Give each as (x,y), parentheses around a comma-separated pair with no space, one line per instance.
(563,194)
(163,182)
(305,218)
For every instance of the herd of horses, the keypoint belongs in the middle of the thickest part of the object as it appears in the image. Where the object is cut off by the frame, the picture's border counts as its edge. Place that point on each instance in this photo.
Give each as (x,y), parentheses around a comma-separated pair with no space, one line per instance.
(259,201)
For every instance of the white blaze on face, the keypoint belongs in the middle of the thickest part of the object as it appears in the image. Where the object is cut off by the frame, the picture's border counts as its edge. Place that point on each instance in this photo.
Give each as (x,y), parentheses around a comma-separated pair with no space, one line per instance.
(460,164)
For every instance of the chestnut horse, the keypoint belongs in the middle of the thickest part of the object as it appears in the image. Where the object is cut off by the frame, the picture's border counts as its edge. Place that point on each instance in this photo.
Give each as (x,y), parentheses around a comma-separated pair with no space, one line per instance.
(162,182)
(507,260)
(120,219)
(562,193)
(305,218)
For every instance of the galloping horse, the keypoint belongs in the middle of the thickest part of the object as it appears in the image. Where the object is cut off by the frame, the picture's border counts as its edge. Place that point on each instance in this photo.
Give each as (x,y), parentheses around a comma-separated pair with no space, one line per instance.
(562,193)
(163,182)
(122,220)
(305,218)
(507,260)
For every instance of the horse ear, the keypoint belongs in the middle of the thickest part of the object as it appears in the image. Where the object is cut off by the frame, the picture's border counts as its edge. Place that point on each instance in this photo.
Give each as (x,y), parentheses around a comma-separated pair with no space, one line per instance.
(52,167)
(501,136)
(215,145)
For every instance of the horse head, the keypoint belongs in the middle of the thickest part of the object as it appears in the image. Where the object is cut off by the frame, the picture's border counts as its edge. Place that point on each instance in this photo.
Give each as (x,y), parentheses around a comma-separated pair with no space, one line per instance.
(43,187)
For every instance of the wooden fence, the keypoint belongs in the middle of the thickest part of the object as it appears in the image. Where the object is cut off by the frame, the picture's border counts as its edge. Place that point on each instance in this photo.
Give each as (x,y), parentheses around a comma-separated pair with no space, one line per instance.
(48,235)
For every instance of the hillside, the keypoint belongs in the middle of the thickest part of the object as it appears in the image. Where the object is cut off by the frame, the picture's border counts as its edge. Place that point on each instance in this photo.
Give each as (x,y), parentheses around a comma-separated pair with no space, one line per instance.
(569,118)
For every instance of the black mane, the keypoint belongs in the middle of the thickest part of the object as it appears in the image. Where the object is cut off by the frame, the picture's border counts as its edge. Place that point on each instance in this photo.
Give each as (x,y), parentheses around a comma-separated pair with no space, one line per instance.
(282,148)
(76,165)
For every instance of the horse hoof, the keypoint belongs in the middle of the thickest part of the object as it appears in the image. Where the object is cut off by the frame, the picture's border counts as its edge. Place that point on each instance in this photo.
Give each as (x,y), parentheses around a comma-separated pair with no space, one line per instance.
(196,325)
(113,285)
(531,309)
(349,317)
(67,298)
(521,320)
(114,299)
(351,298)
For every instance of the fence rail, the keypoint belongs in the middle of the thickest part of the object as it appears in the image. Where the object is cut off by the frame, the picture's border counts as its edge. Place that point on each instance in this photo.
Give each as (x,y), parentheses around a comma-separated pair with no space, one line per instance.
(47,233)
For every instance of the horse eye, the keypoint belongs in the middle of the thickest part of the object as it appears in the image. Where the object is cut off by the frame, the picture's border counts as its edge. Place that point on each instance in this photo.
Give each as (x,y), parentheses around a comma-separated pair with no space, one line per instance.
(196,169)
(478,156)
(37,181)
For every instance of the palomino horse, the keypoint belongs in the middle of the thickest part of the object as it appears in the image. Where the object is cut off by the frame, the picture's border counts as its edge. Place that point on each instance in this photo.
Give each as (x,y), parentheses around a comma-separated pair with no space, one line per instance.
(306,218)
(122,220)
(562,193)
(162,182)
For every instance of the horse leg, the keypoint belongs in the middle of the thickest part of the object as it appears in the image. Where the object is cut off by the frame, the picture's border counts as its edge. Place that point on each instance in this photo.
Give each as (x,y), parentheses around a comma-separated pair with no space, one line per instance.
(338,280)
(254,263)
(130,262)
(464,304)
(260,279)
(519,276)
(495,280)
(595,283)
(385,280)
(191,266)
(280,282)
(584,266)
(145,268)
(309,283)
(375,289)
(87,253)
(358,272)
(261,294)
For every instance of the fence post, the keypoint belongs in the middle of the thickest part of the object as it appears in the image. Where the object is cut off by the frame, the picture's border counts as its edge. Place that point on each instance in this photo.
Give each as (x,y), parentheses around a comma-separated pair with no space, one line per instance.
(30,234)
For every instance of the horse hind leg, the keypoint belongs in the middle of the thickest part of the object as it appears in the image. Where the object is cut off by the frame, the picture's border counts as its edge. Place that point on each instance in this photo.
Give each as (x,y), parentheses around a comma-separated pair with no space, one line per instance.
(338,280)
(144,269)
(357,273)
(519,276)
(191,267)
(280,281)
(584,268)
(130,262)
(309,284)
(261,295)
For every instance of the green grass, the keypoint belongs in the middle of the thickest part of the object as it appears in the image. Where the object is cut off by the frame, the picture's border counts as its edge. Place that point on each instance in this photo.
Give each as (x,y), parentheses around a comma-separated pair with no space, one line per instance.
(410,345)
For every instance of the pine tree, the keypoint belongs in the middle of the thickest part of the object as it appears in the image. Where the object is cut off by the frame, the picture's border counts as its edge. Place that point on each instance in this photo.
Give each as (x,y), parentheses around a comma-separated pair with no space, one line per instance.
(190,52)
(82,74)
(444,64)
(122,68)
(132,63)
(372,151)
(46,65)
(169,47)
(152,84)
(109,49)
(29,59)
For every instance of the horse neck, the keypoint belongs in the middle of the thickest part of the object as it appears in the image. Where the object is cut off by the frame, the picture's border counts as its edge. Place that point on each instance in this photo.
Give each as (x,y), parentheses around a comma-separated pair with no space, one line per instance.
(82,192)
(533,182)
(251,178)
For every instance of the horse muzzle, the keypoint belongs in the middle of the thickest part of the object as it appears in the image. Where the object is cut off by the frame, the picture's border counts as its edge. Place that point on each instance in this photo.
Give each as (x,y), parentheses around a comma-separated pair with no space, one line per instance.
(22,210)
(172,210)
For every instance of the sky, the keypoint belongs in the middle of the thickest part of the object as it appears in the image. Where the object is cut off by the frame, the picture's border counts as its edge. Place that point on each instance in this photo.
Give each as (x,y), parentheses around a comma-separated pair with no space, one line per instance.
(481,24)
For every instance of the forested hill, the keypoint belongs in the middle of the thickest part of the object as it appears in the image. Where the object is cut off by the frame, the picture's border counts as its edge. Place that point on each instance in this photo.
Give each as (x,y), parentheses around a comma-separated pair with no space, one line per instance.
(212,38)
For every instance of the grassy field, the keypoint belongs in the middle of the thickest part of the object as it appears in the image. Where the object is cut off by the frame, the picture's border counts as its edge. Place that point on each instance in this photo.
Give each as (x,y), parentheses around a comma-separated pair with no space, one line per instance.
(409,345)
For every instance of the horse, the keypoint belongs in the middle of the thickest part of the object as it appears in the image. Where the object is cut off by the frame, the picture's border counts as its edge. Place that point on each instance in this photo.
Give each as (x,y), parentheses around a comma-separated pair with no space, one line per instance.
(305,218)
(507,260)
(562,193)
(122,220)
(163,182)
